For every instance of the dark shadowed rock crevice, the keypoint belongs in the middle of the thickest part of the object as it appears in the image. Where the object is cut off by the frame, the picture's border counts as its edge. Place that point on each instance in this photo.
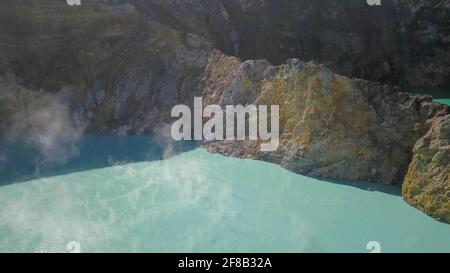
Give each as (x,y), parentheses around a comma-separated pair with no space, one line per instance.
(401,42)
(393,43)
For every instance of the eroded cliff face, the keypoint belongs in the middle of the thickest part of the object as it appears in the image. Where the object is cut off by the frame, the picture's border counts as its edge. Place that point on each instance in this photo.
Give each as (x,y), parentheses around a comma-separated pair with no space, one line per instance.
(118,67)
(120,70)
(335,127)
(400,42)
(330,126)
(427,185)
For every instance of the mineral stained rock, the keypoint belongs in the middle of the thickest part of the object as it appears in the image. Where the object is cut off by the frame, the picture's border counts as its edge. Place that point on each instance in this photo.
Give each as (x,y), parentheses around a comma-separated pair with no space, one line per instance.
(427,185)
(331,126)
(335,127)
(118,67)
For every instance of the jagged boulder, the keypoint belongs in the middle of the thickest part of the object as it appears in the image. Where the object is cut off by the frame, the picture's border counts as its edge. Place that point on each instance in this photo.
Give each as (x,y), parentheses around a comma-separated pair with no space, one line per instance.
(427,183)
(331,126)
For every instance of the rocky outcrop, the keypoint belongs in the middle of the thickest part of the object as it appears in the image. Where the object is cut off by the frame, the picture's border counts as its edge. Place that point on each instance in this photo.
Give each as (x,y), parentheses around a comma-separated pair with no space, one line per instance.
(339,128)
(118,67)
(330,126)
(427,184)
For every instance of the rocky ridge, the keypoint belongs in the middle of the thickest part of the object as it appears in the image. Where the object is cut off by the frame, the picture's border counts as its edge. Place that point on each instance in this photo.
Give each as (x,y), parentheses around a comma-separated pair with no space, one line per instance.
(339,128)
(118,67)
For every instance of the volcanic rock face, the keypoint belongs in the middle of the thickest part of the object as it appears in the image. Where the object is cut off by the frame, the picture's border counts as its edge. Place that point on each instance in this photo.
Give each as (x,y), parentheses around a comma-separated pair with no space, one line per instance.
(330,126)
(335,127)
(399,42)
(125,69)
(118,67)
(427,185)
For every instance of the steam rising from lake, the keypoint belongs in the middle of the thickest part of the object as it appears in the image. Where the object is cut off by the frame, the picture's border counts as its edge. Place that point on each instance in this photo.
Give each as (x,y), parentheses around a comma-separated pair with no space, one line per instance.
(200,202)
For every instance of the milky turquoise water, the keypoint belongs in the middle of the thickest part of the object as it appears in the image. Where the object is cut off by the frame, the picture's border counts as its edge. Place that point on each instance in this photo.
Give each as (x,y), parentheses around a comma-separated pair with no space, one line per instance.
(200,202)
(444,101)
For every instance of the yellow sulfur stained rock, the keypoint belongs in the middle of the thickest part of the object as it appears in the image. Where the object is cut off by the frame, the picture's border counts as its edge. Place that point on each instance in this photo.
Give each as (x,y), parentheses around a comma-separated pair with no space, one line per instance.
(427,183)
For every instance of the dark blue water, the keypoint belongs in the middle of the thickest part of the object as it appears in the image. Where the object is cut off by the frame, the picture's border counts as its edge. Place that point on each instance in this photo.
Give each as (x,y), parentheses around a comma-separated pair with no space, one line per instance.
(22,160)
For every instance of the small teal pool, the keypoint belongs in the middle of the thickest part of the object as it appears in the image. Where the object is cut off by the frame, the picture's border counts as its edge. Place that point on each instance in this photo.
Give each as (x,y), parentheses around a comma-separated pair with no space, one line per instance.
(444,101)
(201,202)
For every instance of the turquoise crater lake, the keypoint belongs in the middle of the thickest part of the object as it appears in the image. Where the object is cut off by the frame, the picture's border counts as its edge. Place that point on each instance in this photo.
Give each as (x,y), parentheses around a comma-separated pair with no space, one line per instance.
(194,201)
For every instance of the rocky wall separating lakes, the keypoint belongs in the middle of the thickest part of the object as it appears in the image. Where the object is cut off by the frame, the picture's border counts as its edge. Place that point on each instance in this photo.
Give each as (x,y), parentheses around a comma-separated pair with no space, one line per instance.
(118,67)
